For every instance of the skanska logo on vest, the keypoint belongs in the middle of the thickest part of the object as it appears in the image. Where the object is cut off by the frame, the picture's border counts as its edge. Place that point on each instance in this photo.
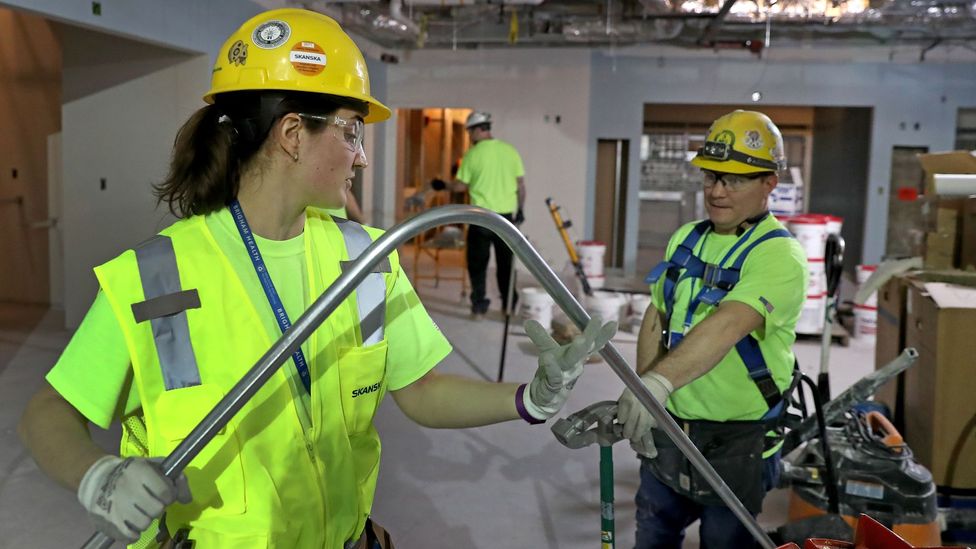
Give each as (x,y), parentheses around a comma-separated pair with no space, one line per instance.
(365,390)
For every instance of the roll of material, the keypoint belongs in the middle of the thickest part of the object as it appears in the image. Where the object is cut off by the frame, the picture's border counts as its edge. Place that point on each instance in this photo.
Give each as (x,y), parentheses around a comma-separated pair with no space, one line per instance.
(955,184)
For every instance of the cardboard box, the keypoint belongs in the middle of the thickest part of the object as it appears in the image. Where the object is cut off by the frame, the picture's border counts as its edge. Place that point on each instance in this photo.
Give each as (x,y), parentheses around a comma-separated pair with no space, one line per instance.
(889,343)
(938,389)
(967,235)
(946,162)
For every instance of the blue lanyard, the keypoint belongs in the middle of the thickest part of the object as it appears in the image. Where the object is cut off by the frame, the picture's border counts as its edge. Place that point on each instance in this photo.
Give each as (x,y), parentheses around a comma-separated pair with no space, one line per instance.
(269,290)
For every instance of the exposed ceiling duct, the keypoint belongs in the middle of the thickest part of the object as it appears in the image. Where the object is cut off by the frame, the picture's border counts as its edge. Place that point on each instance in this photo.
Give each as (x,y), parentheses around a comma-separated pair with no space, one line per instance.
(412,24)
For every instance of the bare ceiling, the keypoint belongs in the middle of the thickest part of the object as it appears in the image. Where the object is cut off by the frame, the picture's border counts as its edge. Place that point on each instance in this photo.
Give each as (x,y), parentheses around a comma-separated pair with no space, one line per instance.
(694,24)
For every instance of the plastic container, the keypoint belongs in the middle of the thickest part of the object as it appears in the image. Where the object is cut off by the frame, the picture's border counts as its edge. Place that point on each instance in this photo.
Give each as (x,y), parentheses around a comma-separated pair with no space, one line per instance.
(607,305)
(591,254)
(863,273)
(810,231)
(639,304)
(834,224)
(596,282)
(811,319)
(865,322)
(536,304)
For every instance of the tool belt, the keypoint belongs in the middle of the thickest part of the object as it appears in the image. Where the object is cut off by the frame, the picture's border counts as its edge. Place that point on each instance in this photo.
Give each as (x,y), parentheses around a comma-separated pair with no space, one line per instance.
(733,448)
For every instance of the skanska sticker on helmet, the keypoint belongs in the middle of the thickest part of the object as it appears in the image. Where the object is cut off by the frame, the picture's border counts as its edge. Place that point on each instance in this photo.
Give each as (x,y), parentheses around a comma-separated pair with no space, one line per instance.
(271,34)
(237,54)
(753,140)
(308,58)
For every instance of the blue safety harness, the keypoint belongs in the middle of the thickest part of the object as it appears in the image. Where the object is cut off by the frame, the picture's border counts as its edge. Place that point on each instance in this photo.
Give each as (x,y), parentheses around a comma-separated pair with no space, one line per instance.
(717,281)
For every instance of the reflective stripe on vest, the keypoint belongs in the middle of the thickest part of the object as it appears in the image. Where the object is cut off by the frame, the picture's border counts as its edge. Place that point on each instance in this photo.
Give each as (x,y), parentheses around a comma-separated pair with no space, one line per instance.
(165,308)
(371,292)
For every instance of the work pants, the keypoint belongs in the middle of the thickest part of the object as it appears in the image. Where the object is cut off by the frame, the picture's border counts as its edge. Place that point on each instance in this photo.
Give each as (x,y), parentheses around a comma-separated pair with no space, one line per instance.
(663,515)
(480,241)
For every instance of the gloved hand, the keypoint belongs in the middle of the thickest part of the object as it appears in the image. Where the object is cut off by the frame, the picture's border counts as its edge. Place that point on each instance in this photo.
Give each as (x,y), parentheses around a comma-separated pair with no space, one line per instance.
(124,495)
(559,367)
(438,184)
(637,422)
(519,217)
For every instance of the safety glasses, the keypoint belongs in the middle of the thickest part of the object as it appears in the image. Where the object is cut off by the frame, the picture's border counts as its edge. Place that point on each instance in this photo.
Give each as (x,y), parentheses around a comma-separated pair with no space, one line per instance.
(733,182)
(352,131)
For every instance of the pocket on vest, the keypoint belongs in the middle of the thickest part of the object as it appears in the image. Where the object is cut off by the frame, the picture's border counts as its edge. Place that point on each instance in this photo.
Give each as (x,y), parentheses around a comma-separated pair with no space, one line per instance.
(362,372)
(216,474)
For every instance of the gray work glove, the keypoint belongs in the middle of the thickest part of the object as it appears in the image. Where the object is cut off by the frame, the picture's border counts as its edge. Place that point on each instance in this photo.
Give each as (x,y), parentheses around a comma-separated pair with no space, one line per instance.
(559,367)
(124,495)
(637,422)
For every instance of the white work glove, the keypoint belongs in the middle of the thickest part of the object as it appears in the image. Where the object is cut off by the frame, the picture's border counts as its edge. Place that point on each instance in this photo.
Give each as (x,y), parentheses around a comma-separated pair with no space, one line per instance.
(637,422)
(559,367)
(124,495)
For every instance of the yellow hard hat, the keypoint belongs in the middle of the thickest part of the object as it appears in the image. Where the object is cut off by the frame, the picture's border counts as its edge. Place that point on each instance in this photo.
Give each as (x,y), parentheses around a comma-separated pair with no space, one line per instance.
(742,142)
(294,50)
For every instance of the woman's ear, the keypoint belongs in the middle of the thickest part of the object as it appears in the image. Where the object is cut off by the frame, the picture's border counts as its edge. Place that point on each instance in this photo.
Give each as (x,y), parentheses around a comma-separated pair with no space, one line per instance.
(287,131)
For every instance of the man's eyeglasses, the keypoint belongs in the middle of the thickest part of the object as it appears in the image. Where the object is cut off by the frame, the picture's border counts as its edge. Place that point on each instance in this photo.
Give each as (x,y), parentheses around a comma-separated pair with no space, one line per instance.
(733,181)
(353,131)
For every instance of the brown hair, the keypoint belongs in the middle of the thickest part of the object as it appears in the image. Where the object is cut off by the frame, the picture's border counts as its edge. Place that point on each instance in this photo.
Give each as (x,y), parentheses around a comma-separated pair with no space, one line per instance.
(218,141)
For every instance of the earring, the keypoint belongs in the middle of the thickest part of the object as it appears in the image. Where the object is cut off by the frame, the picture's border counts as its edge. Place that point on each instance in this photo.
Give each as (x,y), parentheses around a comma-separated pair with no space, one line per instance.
(295,157)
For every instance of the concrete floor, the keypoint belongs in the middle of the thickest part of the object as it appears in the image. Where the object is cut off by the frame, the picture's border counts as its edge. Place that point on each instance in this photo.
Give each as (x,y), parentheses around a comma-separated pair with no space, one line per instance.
(509,485)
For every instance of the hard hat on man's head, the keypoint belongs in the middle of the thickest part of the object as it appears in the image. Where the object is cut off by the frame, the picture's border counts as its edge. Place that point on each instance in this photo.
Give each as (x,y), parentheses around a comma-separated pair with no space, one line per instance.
(477,118)
(294,50)
(742,142)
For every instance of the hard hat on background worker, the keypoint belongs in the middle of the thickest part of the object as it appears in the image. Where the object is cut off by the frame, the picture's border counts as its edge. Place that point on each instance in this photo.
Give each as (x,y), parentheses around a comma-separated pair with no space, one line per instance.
(477,118)
(294,50)
(742,142)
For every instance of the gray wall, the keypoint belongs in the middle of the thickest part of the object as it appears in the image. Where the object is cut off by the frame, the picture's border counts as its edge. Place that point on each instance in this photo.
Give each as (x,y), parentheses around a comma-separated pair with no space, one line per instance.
(929,94)
(841,147)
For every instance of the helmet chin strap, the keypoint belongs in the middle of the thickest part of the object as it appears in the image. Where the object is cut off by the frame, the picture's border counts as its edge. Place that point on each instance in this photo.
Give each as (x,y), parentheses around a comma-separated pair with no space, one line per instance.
(750,221)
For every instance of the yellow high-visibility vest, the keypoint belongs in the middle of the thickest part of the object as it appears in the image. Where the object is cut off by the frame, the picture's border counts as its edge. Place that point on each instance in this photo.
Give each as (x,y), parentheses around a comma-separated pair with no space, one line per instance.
(266,480)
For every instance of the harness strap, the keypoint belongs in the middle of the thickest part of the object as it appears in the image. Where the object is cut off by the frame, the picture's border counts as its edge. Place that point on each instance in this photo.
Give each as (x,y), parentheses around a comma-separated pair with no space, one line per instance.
(717,282)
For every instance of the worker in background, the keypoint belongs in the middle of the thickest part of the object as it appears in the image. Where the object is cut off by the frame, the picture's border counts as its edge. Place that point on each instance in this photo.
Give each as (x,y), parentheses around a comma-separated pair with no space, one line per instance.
(180,318)
(715,345)
(492,173)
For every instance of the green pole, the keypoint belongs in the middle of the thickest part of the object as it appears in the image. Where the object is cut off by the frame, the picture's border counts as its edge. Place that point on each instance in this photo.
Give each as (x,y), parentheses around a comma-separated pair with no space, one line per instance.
(606,497)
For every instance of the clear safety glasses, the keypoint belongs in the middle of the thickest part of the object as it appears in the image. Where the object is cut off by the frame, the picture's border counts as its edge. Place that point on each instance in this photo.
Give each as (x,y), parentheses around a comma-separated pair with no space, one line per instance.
(733,182)
(352,131)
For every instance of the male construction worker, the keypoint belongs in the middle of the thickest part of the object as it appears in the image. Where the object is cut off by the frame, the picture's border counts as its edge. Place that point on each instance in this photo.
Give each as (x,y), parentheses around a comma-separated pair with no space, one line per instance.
(491,171)
(715,344)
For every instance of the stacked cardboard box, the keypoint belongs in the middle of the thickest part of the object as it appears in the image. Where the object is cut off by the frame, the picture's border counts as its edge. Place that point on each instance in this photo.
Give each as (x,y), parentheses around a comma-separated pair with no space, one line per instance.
(935,402)
(950,240)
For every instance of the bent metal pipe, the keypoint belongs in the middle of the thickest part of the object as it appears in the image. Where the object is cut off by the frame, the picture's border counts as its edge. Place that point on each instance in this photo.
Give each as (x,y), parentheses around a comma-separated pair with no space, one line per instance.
(282,350)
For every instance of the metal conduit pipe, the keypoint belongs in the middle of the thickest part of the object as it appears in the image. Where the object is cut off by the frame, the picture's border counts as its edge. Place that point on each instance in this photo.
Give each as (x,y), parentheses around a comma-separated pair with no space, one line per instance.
(282,350)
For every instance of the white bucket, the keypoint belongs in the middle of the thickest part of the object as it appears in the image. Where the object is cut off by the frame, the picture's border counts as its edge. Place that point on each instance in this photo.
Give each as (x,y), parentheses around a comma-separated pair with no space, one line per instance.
(639,304)
(596,282)
(817,284)
(865,322)
(810,231)
(591,254)
(834,224)
(536,304)
(606,305)
(811,319)
(863,273)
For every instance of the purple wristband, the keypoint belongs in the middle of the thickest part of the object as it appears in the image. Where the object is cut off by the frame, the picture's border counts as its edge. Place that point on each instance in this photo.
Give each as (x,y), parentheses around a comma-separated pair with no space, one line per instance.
(520,406)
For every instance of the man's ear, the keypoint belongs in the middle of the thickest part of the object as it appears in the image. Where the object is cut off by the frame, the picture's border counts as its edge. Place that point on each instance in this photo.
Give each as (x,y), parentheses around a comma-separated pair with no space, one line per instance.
(287,132)
(770,182)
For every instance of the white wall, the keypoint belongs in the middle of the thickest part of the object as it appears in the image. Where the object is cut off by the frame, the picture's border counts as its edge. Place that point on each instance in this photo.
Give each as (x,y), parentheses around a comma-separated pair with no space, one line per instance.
(929,94)
(519,88)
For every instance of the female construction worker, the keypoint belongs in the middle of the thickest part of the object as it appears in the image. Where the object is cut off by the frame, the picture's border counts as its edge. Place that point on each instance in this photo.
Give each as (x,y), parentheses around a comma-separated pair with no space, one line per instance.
(183,315)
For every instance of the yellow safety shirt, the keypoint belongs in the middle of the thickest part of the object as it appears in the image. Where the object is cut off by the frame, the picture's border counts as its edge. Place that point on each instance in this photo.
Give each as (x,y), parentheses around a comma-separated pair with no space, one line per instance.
(491,169)
(282,474)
